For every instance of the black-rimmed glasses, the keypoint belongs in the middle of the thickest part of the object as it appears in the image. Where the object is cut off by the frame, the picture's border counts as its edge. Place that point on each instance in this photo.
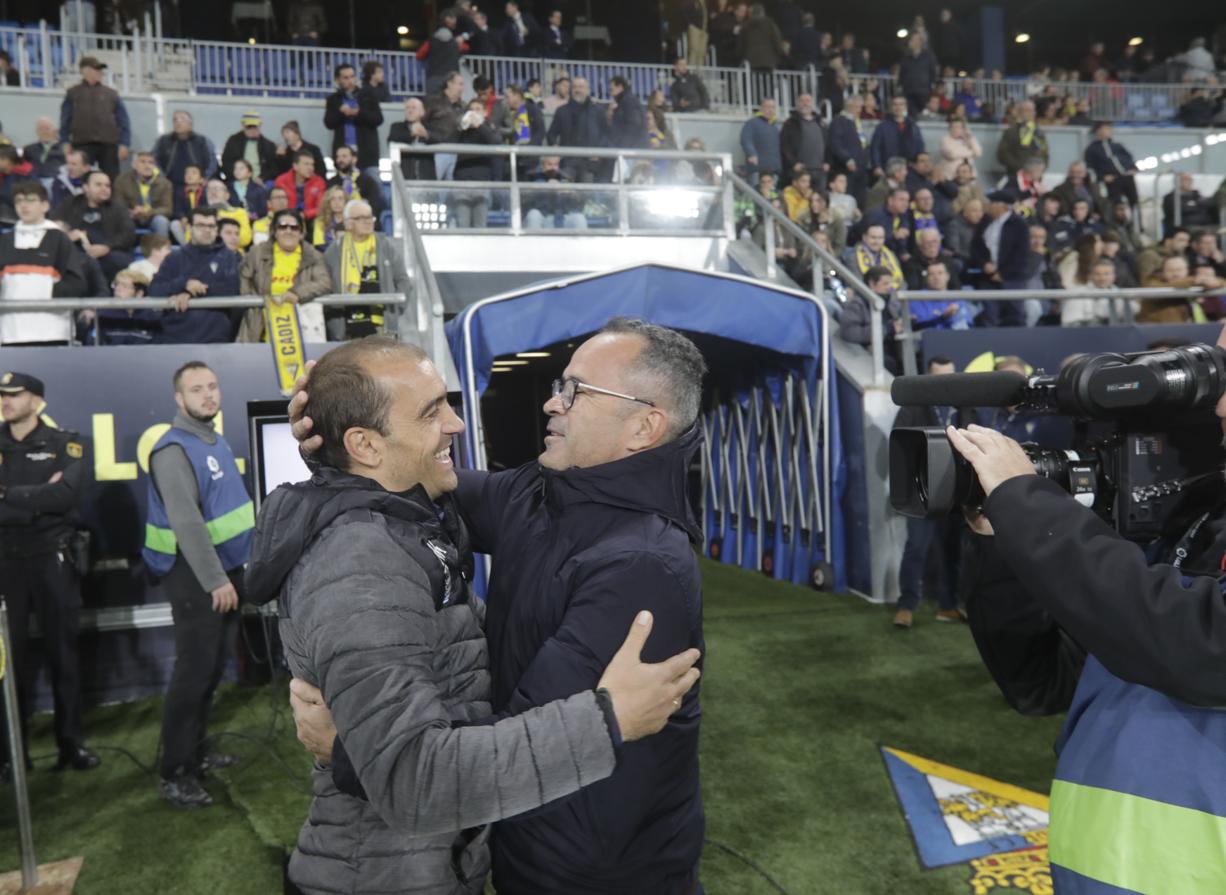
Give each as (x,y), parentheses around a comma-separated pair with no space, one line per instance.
(566,389)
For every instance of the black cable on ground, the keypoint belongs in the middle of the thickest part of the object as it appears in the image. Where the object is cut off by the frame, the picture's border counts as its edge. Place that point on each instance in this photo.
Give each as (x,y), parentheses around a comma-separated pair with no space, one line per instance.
(749,862)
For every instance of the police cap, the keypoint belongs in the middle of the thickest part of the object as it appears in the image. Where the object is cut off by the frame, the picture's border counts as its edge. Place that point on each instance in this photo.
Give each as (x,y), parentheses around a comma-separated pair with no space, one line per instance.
(12,383)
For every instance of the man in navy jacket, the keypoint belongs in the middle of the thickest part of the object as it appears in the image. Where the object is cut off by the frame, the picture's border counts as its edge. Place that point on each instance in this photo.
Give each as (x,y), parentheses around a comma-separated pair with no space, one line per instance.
(848,147)
(1001,250)
(594,531)
(204,267)
(898,135)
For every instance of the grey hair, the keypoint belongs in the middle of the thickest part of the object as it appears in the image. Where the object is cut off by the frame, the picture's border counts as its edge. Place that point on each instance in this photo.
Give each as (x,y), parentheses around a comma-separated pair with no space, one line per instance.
(347,211)
(896,163)
(670,367)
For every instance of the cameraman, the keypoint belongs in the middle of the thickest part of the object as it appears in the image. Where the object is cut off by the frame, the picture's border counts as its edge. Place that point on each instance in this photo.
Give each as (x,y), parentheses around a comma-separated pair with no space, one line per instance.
(1068,615)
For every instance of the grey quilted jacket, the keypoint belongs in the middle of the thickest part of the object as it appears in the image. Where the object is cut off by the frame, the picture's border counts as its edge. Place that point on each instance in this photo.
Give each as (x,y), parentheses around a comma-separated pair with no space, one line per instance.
(375,612)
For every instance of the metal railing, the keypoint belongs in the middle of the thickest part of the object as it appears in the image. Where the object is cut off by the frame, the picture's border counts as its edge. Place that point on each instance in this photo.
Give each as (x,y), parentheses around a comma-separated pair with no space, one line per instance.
(626,208)
(1121,300)
(44,56)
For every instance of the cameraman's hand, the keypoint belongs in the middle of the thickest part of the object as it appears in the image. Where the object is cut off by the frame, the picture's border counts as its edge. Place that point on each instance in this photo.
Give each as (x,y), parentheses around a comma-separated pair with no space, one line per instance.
(979,523)
(312,719)
(644,696)
(300,423)
(994,457)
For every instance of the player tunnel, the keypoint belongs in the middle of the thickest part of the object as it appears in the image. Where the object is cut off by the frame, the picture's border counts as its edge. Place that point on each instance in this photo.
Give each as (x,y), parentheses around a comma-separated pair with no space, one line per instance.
(768,485)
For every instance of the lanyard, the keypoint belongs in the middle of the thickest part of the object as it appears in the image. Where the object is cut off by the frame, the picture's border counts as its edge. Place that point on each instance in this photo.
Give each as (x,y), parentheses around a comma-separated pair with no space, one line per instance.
(1185,543)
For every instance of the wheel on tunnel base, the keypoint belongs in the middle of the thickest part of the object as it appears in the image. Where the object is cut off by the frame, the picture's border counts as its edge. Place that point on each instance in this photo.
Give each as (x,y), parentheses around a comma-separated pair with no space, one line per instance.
(821,576)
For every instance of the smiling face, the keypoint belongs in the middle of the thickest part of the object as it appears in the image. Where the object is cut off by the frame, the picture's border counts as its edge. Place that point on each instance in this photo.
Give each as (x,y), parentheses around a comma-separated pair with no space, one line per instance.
(597,428)
(421,426)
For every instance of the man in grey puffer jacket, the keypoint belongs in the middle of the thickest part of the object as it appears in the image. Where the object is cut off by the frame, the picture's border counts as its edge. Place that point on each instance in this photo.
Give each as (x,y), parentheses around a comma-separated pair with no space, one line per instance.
(369,562)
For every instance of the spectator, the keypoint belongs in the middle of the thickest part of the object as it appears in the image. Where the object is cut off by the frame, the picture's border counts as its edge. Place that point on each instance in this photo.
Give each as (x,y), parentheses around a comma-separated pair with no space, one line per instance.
(303,187)
(187,199)
(687,93)
(1205,277)
(37,262)
(555,42)
(935,276)
(146,194)
(98,225)
(968,188)
(543,208)
(855,60)
(527,125)
(1021,141)
(230,233)
(363,262)
(117,326)
(250,145)
(12,169)
(1001,249)
(1078,222)
(895,218)
(441,52)
(9,76)
(871,251)
(1094,60)
(627,120)
(691,17)
(374,81)
(849,148)
(1028,183)
(1150,261)
(46,153)
(960,231)
(291,144)
(1076,186)
(580,123)
(471,206)
(1119,217)
(842,204)
(533,91)
(965,97)
(921,175)
(483,40)
(288,269)
(94,120)
(958,147)
(894,177)
(1125,274)
(761,43)
(443,114)
(760,141)
(933,109)
(807,44)
(560,96)
(1197,61)
(1200,109)
(872,110)
(723,30)
(949,40)
(1174,274)
(1195,210)
(245,193)
(1204,250)
(1112,164)
(819,218)
(261,230)
(306,23)
(412,132)
(329,224)
(1074,272)
(802,143)
(202,267)
(796,196)
(923,211)
(521,33)
(182,147)
(356,184)
(154,250)
(897,136)
(353,115)
(918,74)
(217,197)
(855,326)
(928,249)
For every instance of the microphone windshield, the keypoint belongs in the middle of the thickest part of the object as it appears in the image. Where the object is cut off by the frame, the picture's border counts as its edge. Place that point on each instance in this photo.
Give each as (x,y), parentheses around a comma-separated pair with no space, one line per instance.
(959,390)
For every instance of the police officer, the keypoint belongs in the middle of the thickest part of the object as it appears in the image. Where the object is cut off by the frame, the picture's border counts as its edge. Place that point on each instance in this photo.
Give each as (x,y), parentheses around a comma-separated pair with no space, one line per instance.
(1069,616)
(41,478)
(197,540)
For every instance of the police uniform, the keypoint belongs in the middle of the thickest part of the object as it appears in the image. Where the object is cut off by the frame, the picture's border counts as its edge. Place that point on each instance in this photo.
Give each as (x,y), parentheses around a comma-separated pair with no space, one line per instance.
(37,575)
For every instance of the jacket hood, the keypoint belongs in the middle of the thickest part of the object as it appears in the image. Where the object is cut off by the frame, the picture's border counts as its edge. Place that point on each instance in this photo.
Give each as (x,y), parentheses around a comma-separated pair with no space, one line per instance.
(294,515)
(655,481)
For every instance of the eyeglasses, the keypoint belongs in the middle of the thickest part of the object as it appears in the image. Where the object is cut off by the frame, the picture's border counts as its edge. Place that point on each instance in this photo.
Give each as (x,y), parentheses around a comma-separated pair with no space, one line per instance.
(361,217)
(294,227)
(566,389)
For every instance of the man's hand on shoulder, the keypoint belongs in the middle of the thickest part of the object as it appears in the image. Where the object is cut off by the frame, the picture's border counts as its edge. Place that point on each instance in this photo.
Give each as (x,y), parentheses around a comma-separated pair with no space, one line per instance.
(645,696)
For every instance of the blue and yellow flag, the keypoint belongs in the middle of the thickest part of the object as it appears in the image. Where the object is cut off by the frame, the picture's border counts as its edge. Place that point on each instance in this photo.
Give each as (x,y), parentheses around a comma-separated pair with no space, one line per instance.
(285,339)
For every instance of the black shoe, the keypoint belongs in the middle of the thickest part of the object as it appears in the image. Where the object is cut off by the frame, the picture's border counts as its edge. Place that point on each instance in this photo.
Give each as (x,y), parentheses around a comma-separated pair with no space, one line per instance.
(78,758)
(185,791)
(215,761)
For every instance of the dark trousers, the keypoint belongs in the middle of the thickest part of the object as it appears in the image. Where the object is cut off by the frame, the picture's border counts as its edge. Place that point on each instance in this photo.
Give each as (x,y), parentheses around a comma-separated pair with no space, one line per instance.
(930,562)
(1004,313)
(1123,186)
(104,155)
(915,105)
(46,586)
(202,641)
